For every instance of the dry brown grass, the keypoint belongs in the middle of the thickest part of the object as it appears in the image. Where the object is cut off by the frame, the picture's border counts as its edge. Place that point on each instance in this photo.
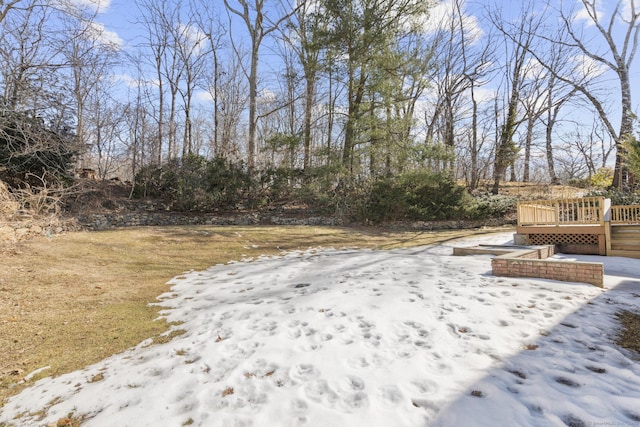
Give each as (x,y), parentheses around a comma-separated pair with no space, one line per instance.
(77,298)
(8,205)
(530,191)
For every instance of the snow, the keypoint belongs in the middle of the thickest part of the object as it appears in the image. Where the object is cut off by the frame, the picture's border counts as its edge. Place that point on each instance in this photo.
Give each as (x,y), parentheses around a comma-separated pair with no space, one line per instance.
(407,337)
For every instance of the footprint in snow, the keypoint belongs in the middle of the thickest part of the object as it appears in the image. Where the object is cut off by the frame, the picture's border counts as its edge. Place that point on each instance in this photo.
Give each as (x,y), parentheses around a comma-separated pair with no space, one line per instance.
(299,405)
(390,394)
(358,362)
(303,372)
(319,391)
(309,347)
(403,354)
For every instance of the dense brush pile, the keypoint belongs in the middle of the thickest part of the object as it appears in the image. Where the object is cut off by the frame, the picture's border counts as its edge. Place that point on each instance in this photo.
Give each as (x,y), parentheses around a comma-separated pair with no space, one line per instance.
(8,205)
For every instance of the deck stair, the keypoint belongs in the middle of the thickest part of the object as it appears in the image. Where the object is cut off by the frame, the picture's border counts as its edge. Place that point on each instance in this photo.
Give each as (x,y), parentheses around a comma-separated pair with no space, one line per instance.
(625,241)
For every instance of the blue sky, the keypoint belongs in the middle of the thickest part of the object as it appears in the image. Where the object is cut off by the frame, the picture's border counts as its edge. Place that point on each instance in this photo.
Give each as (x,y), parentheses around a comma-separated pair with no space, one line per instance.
(120,16)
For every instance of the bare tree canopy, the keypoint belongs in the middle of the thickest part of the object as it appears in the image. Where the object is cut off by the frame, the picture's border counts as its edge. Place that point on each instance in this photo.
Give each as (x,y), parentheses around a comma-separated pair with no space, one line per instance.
(348,90)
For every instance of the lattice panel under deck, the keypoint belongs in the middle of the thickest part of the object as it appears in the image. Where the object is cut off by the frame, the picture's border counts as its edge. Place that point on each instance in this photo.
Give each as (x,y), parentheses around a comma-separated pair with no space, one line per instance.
(563,239)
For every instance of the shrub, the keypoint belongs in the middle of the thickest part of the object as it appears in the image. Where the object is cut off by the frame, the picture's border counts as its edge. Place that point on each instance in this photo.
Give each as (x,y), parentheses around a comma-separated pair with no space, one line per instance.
(195,183)
(156,181)
(486,206)
(416,196)
(617,197)
(227,182)
(631,154)
(602,178)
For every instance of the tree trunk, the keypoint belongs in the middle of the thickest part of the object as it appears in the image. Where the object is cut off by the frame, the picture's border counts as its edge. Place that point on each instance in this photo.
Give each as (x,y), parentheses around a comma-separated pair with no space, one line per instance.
(253,96)
(504,150)
(474,141)
(620,175)
(160,109)
(355,100)
(309,102)
(527,148)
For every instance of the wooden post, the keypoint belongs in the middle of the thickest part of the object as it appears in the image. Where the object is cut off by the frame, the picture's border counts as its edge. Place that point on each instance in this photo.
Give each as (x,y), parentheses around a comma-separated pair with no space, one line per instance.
(606,218)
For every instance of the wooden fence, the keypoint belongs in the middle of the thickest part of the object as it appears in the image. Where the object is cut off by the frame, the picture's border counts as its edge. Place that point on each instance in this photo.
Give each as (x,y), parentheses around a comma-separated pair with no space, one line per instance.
(622,215)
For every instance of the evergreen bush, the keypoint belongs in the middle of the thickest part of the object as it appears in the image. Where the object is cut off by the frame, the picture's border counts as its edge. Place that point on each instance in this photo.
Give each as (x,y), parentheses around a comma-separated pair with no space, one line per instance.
(195,183)
(618,198)
(417,196)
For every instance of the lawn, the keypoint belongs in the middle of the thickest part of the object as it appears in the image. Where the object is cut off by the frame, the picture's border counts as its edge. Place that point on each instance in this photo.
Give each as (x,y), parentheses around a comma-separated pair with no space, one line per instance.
(72,300)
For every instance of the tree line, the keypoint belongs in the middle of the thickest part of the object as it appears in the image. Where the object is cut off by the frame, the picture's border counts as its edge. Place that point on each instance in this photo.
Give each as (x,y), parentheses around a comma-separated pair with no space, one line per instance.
(334,92)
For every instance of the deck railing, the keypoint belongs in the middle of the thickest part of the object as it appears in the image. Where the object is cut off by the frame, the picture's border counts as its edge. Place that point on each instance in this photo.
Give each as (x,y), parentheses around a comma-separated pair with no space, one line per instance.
(625,214)
(582,211)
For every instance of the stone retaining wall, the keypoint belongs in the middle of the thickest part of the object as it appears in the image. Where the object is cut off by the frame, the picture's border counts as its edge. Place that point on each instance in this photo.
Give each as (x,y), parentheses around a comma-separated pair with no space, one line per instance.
(145,214)
(136,219)
(17,229)
(103,221)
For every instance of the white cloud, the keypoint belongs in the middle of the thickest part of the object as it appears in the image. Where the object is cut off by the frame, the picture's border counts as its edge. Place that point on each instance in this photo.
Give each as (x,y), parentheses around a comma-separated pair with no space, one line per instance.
(126,79)
(98,32)
(266,96)
(585,16)
(533,70)
(84,6)
(484,94)
(442,15)
(603,11)
(192,37)
(99,6)
(203,96)
(587,67)
(627,11)
(132,82)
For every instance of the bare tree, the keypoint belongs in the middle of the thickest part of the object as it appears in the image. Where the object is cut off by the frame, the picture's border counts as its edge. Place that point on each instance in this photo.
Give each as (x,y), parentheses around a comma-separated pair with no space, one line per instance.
(232,98)
(518,38)
(178,52)
(36,114)
(460,65)
(259,25)
(108,118)
(172,70)
(29,57)
(193,48)
(592,144)
(141,130)
(156,40)
(303,33)
(6,7)
(554,105)
(90,54)
(209,23)
(617,57)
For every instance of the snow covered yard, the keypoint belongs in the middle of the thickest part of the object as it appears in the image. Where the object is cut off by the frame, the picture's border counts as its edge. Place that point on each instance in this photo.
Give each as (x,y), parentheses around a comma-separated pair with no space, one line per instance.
(407,337)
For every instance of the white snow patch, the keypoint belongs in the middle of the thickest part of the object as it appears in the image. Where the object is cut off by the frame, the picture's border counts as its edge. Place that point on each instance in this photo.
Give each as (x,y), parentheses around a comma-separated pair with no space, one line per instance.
(407,337)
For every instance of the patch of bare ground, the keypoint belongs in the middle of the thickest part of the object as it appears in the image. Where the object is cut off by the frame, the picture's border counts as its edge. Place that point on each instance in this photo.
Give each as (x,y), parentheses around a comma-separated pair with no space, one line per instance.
(629,334)
(73,299)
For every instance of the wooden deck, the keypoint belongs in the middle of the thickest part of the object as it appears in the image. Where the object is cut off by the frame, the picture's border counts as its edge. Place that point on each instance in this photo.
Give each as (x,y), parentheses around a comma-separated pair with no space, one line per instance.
(587,225)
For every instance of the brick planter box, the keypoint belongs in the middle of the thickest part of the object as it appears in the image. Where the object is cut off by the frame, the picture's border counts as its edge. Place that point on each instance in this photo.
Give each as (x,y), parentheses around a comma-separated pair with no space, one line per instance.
(522,261)
(527,263)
